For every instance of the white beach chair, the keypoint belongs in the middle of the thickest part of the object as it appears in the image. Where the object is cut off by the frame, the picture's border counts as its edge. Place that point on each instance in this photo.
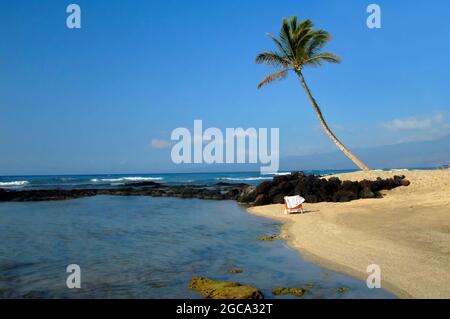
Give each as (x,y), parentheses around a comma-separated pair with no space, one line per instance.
(293,204)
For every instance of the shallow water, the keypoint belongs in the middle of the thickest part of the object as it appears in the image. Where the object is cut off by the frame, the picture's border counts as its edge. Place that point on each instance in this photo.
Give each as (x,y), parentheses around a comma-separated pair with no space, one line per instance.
(141,247)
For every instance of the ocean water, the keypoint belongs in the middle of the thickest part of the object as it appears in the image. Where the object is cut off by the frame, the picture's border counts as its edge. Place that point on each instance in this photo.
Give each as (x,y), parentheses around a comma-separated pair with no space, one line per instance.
(113,180)
(143,247)
(93,181)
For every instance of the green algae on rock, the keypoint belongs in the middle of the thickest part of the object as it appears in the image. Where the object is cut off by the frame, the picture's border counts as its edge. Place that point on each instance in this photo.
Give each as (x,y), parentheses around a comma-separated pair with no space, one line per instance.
(213,289)
(298,292)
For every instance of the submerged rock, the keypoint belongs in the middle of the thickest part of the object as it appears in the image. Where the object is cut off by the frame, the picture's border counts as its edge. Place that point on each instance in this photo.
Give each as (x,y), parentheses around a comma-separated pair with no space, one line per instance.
(298,292)
(310,285)
(269,238)
(213,289)
(235,271)
(342,289)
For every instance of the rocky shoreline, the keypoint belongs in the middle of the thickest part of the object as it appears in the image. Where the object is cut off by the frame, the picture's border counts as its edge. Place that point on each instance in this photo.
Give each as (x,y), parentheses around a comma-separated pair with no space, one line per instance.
(313,188)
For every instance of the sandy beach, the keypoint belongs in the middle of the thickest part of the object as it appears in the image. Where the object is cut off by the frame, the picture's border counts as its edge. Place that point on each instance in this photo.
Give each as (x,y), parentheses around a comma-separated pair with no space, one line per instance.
(407,233)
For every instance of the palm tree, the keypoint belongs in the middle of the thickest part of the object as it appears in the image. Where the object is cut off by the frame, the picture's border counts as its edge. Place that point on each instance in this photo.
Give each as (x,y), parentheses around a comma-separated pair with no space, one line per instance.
(300,46)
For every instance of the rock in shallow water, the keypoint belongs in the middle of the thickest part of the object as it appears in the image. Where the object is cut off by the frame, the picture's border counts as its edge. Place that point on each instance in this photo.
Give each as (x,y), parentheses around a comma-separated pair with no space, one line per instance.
(269,238)
(235,271)
(213,289)
(298,292)
(342,289)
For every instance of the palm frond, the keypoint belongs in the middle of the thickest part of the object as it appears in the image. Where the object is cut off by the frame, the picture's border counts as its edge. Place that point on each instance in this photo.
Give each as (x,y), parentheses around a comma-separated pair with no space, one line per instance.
(293,23)
(302,36)
(286,38)
(319,39)
(282,47)
(279,75)
(304,28)
(318,59)
(273,59)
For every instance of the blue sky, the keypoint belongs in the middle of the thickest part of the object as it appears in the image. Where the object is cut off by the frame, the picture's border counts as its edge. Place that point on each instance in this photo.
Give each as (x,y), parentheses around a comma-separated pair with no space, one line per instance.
(104,99)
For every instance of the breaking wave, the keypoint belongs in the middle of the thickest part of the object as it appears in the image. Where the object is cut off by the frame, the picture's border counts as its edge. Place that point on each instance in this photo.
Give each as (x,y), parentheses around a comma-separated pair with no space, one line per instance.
(242,178)
(126,179)
(14,183)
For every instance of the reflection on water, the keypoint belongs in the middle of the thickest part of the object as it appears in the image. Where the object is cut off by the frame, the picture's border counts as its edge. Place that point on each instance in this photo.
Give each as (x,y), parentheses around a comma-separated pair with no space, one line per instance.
(140,247)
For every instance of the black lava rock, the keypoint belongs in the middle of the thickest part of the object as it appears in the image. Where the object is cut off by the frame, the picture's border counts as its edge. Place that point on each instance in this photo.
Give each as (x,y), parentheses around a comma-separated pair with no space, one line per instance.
(313,188)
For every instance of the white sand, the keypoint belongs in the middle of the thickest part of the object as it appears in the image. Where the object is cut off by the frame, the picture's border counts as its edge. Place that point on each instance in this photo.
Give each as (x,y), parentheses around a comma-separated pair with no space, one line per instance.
(407,233)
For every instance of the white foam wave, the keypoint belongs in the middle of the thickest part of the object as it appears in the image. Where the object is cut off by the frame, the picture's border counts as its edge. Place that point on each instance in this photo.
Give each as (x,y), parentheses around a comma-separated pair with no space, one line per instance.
(281,173)
(242,178)
(14,183)
(126,179)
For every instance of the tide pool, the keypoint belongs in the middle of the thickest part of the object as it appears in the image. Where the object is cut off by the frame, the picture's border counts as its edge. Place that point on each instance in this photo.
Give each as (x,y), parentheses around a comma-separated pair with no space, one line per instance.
(141,247)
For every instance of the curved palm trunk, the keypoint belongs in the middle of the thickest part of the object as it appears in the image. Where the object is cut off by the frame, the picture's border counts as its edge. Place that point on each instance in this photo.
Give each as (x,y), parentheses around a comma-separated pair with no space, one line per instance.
(327,130)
